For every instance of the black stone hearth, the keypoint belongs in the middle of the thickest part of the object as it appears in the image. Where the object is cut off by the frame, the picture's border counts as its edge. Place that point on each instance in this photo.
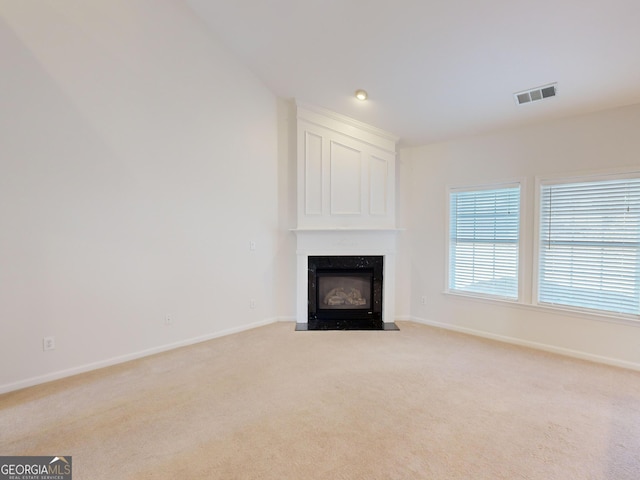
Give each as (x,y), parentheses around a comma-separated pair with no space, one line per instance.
(345,293)
(388,327)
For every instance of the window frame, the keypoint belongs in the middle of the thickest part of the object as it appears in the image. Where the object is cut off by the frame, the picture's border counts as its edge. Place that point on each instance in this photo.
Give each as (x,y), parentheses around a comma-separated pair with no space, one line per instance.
(517,183)
(562,179)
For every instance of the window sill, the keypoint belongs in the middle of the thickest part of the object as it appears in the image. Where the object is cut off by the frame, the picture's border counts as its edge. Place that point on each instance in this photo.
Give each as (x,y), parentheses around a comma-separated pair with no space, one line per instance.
(623,319)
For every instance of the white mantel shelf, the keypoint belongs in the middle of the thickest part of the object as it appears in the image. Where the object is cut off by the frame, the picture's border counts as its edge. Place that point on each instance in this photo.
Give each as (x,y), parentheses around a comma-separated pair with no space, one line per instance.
(345,229)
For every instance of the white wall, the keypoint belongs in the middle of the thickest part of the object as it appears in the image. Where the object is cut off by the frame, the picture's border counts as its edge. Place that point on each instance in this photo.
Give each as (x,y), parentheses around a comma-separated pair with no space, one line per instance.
(137,161)
(602,141)
(285,262)
(404,218)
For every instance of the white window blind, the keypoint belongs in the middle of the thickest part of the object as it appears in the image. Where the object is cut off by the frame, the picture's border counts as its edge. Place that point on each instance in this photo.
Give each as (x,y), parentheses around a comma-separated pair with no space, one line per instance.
(589,250)
(484,228)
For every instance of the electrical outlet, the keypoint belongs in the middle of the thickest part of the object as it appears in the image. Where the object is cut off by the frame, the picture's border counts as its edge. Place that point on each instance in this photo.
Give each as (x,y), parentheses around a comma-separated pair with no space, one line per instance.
(252,245)
(252,304)
(48,343)
(168,319)
(423,300)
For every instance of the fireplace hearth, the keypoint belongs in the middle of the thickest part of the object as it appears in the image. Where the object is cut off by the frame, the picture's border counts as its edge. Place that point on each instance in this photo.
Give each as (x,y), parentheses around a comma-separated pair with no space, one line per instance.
(345,292)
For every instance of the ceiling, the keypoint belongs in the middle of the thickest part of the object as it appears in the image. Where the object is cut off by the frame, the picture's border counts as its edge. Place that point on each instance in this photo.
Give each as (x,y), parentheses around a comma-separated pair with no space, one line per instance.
(437,69)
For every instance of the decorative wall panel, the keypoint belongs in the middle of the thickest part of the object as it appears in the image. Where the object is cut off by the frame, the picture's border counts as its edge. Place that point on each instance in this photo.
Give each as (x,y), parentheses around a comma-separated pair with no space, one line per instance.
(313,174)
(345,180)
(378,180)
(346,173)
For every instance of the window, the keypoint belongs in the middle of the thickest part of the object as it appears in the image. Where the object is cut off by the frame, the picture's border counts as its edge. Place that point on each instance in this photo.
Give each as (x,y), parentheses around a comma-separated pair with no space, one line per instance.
(589,245)
(484,230)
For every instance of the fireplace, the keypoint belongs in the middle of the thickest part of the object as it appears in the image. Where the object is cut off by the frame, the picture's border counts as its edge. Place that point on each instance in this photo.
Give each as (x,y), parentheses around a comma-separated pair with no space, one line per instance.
(345,292)
(323,254)
(345,222)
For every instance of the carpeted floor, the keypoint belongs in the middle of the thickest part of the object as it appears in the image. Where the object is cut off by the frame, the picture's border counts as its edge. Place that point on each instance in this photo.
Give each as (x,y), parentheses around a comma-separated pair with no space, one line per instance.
(271,403)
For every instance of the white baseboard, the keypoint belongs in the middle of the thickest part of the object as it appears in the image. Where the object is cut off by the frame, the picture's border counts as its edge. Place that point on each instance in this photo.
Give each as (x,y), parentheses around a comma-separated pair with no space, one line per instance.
(616,362)
(203,338)
(30,382)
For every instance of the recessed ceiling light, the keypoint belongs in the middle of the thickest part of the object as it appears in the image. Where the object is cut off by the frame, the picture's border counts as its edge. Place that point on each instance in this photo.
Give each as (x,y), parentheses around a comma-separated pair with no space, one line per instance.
(361,95)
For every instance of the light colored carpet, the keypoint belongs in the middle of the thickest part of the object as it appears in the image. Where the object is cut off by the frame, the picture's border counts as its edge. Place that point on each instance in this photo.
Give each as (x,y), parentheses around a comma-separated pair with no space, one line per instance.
(271,403)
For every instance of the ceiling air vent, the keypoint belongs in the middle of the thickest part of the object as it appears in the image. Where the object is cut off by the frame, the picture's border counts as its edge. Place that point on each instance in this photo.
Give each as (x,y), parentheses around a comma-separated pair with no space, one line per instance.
(536,94)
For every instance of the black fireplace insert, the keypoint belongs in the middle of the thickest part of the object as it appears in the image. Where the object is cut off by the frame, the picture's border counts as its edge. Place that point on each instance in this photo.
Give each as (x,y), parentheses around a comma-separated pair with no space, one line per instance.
(345,293)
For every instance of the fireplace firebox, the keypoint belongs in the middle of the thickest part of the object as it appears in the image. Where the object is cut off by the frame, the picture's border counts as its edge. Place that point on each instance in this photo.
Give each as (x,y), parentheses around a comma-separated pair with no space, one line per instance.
(345,293)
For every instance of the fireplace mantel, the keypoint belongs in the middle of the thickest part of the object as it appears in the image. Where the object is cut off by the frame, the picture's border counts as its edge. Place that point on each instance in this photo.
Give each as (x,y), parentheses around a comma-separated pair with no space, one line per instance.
(346,241)
(345,229)
(345,197)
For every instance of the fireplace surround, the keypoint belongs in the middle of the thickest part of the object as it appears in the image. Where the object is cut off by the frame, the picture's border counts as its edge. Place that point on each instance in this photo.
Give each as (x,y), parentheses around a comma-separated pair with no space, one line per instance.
(338,244)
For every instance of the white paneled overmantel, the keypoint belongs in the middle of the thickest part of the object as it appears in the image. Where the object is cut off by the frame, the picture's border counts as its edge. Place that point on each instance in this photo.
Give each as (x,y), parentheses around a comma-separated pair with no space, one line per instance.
(346,197)
(346,172)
